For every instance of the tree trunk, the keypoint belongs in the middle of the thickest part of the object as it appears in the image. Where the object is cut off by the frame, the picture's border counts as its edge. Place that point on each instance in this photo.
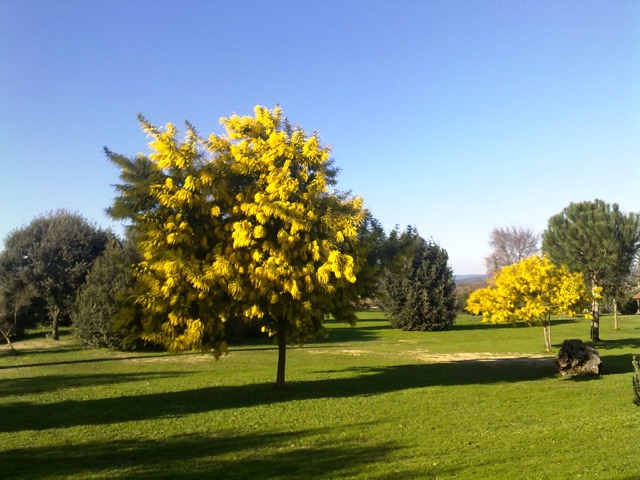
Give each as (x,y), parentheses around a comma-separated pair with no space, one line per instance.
(54,324)
(282,352)
(6,337)
(615,314)
(595,322)
(546,330)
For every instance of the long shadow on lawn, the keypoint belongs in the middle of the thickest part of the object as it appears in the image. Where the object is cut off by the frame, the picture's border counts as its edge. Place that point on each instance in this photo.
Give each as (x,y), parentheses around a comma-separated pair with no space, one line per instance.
(353,334)
(619,343)
(51,383)
(293,454)
(498,326)
(343,333)
(615,364)
(55,349)
(364,381)
(72,362)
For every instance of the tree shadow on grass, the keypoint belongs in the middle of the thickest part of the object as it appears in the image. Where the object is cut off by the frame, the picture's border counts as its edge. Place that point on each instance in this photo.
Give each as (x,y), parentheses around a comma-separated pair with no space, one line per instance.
(52,383)
(341,334)
(353,334)
(302,454)
(41,334)
(92,360)
(364,381)
(616,364)
(55,348)
(616,344)
(498,326)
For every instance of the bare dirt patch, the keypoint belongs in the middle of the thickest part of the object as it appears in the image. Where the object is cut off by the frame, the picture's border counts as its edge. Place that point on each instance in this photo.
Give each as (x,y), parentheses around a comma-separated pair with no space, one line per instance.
(167,358)
(474,356)
(344,351)
(427,357)
(355,352)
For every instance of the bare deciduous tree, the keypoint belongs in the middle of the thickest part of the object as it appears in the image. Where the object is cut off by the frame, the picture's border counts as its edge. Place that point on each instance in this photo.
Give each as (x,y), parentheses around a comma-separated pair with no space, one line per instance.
(510,245)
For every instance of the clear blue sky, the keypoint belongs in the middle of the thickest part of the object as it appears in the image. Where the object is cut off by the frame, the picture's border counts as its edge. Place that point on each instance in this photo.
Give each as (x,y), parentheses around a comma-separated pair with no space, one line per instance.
(452,116)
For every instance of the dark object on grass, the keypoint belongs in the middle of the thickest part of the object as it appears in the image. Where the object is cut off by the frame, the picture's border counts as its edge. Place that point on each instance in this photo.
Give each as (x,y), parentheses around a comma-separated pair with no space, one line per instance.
(636,380)
(577,359)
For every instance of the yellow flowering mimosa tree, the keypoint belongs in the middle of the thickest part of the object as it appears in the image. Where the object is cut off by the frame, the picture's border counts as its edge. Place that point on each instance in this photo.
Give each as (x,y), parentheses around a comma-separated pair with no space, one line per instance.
(531,291)
(244,225)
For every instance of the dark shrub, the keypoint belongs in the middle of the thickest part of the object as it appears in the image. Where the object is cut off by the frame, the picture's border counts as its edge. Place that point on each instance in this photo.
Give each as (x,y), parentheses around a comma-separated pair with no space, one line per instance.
(99,299)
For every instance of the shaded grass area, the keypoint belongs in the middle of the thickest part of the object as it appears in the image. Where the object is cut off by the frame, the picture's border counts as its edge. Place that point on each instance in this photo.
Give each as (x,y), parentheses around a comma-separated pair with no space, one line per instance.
(366,402)
(139,458)
(359,381)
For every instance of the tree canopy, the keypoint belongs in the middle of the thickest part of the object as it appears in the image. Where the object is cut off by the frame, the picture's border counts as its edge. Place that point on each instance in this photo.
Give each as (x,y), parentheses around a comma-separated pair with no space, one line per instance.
(419,290)
(597,240)
(372,244)
(530,291)
(510,245)
(49,259)
(245,225)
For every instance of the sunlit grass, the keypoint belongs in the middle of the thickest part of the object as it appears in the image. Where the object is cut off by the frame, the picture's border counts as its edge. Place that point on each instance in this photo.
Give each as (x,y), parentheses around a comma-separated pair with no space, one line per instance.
(479,401)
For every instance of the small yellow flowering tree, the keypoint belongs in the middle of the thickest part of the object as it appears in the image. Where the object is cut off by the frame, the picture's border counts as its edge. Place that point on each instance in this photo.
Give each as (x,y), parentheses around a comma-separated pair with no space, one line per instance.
(244,225)
(530,291)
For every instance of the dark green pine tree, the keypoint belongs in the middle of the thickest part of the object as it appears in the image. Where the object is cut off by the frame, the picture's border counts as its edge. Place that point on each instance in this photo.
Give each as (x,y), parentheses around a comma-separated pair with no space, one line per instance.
(135,199)
(597,240)
(421,295)
(371,242)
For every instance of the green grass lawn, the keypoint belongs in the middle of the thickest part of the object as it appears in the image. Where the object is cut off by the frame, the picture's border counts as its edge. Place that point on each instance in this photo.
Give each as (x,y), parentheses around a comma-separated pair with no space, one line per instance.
(477,402)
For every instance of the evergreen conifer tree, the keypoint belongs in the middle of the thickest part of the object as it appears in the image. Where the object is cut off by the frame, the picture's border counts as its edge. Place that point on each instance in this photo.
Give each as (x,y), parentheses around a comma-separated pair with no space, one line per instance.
(421,294)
